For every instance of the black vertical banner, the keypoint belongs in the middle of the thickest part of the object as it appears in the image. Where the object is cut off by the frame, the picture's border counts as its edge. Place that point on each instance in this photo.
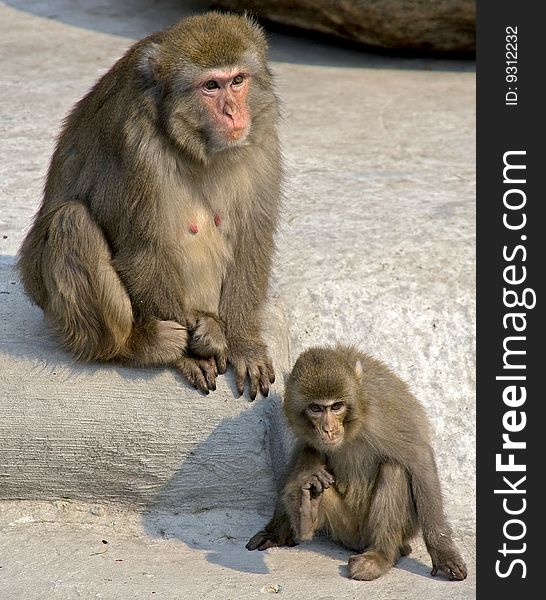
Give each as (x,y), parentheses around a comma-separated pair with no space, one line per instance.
(511,329)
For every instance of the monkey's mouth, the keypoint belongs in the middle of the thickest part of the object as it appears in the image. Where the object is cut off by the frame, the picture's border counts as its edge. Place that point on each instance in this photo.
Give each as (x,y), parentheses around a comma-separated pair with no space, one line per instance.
(331,441)
(237,134)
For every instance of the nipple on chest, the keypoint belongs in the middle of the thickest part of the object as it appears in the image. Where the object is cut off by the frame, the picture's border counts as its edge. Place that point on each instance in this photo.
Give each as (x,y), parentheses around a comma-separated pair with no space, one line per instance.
(193,227)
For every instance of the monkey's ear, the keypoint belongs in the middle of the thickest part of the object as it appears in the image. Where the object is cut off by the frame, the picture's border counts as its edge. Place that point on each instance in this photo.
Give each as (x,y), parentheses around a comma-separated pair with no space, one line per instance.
(358,370)
(148,62)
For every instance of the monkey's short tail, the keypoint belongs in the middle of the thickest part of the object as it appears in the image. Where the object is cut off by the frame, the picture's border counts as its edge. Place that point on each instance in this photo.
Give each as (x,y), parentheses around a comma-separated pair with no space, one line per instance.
(66,268)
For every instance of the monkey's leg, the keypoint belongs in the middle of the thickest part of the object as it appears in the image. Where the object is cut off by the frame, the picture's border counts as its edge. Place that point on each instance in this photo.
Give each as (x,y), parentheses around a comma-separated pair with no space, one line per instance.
(390,523)
(435,528)
(87,301)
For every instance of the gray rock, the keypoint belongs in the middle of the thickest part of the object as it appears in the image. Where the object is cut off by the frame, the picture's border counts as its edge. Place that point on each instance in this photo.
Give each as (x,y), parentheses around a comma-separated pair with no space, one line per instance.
(139,436)
(435,25)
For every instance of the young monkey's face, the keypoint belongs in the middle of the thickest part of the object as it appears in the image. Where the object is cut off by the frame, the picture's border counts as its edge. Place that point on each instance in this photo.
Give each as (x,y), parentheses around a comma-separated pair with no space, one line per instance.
(326,419)
(322,400)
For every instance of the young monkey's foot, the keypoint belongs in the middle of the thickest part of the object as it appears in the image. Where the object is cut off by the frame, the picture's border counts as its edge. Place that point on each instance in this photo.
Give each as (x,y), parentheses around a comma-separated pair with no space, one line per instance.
(370,565)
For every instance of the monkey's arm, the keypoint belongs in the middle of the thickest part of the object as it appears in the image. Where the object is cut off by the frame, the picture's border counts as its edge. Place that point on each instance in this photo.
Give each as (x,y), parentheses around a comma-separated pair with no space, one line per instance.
(243,295)
(435,528)
(296,514)
(302,493)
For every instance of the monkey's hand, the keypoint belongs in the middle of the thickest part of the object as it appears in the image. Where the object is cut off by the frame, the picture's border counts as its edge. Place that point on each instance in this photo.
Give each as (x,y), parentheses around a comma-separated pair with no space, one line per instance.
(201,373)
(448,561)
(253,361)
(208,340)
(311,496)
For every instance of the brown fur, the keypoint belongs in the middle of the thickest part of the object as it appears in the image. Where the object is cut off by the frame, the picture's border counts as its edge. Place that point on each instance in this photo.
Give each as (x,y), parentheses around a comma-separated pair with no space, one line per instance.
(110,258)
(378,484)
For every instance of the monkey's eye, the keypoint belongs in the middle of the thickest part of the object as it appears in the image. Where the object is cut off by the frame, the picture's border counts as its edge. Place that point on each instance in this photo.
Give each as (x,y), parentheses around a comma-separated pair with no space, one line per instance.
(316,408)
(337,406)
(211,85)
(238,79)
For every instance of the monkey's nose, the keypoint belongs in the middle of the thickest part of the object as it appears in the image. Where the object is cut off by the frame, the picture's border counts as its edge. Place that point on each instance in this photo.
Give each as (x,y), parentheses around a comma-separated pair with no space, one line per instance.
(231,109)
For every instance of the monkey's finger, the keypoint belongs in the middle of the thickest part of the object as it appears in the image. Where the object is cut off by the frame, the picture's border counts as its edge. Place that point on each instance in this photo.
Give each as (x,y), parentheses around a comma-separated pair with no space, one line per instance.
(434,571)
(253,379)
(221,362)
(455,571)
(311,483)
(264,381)
(458,573)
(213,366)
(193,374)
(257,540)
(267,544)
(240,373)
(314,506)
(270,371)
(325,478)
(315,487)
(209,372)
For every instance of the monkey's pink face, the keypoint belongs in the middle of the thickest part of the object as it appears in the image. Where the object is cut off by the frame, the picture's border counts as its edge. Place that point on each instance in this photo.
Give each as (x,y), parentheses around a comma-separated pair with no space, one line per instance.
(224,93)
(327,418)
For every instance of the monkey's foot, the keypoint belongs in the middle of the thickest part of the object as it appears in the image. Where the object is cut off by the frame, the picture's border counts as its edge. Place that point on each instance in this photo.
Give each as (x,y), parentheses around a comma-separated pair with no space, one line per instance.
(266,539)
(201,373)
(208,340)
(448,562)
(405,550)
(156,342)
(370,565)
(255,364)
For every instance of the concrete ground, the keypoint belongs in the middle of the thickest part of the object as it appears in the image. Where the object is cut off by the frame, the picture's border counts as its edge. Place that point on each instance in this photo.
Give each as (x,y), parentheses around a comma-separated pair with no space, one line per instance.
(376,248)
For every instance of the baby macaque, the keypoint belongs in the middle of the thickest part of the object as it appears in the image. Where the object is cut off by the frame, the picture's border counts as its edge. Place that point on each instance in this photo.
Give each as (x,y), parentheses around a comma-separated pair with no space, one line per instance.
(363,469)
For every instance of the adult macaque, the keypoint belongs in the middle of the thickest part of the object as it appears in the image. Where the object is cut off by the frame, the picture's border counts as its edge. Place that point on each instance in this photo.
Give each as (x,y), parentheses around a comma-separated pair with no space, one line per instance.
(154,240)
(363,469)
